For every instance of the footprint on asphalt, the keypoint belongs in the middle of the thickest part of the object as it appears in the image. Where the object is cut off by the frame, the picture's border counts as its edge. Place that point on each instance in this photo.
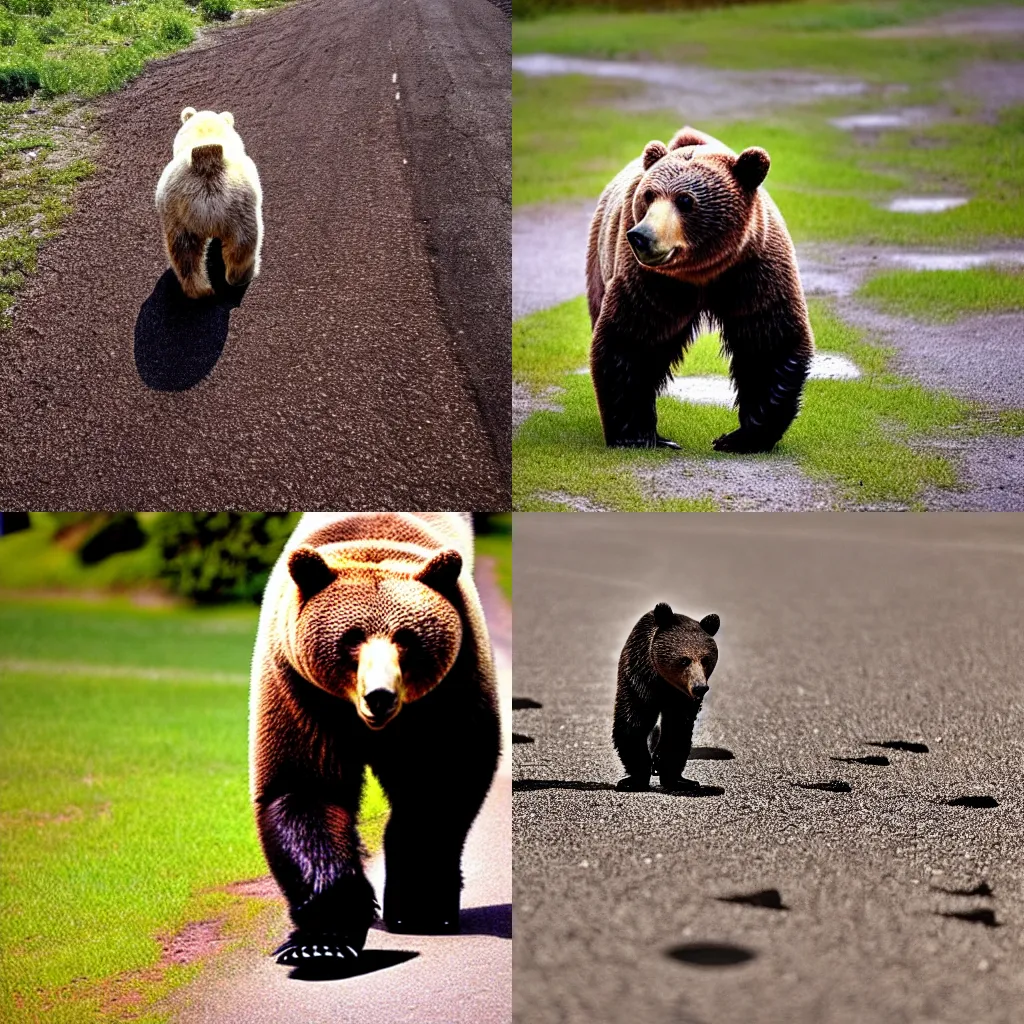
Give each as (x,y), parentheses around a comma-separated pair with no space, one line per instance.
(910,748)
(521,703)
(710,954)
(982,915)
(873,759)
(973,801)
(771,899)
(521,737)
(710,754)
(981,889)
(834,786)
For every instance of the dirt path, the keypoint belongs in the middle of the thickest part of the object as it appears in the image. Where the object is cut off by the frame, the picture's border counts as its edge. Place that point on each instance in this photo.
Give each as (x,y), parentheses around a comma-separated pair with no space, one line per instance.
(419,979)
(366,366)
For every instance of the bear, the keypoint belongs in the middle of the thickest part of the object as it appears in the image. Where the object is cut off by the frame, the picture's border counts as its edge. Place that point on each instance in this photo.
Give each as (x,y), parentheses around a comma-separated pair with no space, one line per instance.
(210,189)
(663,676)
(685,236)
(371,650)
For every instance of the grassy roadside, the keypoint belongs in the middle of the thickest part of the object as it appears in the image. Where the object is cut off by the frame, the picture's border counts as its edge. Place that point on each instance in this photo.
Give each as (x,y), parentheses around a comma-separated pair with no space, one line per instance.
(124,807)
(867,438)
(497,544)
(54,55)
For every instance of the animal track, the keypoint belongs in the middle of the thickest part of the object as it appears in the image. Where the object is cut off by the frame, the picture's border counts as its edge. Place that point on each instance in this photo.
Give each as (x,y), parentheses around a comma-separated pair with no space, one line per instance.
(710,954)
(771,899)
(521,703)
(874,759)
(981,915)
(973,801)
(910,748)
(519,737)
(981,889)
(835,786)
(711,754)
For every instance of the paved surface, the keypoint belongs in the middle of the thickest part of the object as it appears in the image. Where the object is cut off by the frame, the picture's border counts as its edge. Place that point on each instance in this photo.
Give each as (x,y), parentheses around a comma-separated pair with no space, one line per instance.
(837,631)
(368,366)
(457,979)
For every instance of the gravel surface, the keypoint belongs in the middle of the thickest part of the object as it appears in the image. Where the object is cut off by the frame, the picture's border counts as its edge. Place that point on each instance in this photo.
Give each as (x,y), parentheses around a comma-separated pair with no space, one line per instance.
(342,375)
(419,979)
(838,632)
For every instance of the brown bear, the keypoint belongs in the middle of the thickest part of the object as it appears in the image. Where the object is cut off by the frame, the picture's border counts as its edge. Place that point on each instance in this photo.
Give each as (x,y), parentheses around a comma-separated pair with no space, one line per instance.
(682,236)
(210,189)
(664,670)
(372,650)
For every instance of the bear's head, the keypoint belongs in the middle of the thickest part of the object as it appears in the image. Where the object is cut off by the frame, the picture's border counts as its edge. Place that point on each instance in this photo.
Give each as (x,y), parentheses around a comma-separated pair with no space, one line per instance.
(682,650)
(692,208)
(379,635)
(205,127)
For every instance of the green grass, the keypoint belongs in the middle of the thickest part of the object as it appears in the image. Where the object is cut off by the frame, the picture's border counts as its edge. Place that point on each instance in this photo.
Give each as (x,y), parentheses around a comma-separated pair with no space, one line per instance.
(855,434)
(497,545)
(946,295)
(123,795)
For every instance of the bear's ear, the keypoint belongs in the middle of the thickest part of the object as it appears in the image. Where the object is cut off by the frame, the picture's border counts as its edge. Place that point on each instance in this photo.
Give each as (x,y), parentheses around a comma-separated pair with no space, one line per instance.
(710,624)
(187,113)
(751,167)
(229,117)
(653,152)
(441,572)
(310,572)
(663,615)
(689,137)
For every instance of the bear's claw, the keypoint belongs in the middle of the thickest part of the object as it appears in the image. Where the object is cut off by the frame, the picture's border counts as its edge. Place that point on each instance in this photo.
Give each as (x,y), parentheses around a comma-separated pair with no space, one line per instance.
(664,442)
(297,948)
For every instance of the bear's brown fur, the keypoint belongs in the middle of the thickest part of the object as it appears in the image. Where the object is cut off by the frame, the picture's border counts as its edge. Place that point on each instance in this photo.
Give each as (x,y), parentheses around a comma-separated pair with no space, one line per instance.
(210,189)
(681,236)
(372,650)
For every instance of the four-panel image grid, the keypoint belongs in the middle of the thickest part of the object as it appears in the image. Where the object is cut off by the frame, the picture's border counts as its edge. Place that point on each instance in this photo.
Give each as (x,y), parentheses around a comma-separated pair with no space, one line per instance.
(707,707)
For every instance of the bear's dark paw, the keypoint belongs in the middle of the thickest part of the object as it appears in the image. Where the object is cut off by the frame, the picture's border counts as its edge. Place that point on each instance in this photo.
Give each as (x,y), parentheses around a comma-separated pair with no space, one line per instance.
(634,442)
(422,917)
(633,784)
(664,442)
(743,442)
(304,947)
(680,785)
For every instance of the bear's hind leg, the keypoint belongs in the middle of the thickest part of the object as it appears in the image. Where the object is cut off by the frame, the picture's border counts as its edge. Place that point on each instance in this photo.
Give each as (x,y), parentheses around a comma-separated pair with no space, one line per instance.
(632,727)
(187,253)
(241,244)
(314,853)
(673,750)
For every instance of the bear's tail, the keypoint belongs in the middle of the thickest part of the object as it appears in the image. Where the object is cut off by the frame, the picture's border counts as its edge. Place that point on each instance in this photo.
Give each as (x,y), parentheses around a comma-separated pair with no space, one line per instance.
(208,161)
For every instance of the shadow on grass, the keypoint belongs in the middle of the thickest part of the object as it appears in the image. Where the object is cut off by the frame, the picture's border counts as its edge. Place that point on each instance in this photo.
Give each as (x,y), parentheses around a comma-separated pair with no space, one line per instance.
(179,340)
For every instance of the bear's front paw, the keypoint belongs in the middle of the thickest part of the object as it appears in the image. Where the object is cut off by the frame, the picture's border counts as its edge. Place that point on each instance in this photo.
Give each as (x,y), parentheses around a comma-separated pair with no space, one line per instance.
(633,784)
(679,785)
(743,442)
(303,946)
(634,442)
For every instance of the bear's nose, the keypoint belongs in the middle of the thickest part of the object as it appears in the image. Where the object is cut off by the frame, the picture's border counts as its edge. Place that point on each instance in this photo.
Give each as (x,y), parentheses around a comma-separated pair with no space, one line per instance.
(700,690)
(640,240)
(381,702)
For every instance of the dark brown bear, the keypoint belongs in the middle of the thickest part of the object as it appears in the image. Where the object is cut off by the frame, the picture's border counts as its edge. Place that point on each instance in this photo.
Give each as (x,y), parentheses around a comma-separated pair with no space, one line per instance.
(372,650)
(663,675)
(683,236)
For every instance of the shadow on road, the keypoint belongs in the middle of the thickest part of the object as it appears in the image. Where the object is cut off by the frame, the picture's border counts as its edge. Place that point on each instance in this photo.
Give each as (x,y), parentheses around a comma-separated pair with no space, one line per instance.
(529,785)
(494,920)
(179,340)
(369,960)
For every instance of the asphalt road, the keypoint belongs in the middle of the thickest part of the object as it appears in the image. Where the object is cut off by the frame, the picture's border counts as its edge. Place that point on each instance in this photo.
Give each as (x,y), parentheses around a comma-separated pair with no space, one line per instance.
(413,979)
(369,364)
(838,630)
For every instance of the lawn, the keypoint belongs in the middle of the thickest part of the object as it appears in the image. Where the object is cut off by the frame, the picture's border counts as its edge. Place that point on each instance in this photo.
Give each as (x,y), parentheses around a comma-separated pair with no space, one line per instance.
(123,798)
(867,439)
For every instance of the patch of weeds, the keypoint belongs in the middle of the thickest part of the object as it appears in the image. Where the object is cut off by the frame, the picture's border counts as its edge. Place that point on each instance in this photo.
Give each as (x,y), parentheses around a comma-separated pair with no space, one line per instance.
(946,295)
(855,434)
(216,10)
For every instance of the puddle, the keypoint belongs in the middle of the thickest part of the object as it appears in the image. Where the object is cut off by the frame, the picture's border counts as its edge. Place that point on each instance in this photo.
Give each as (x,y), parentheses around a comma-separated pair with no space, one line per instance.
(835,786)
(954,260)
(881,762)
(924,204)
(910,748)
(883,120)
(711,954)
(522,703)
(771,899)
(973,801)
(983,915)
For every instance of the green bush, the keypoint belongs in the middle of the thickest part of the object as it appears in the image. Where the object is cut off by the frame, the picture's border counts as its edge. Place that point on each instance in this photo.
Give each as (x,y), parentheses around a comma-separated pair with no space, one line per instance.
(176,30)
(18,81)
(216,10)
(211,557)
(49,32)
(8,32)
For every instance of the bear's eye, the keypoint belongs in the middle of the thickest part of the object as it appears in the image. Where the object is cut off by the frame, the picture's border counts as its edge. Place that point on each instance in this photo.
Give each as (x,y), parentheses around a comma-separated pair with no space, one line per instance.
(350,642)
(684,662)
(649,196)
(709,664)
(406,639)
(685,202)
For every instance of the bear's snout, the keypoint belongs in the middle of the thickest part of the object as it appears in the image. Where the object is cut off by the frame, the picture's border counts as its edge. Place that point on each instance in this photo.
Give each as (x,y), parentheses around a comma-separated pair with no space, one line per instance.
(699,690)
(381,702)
(378,682)
(647,248)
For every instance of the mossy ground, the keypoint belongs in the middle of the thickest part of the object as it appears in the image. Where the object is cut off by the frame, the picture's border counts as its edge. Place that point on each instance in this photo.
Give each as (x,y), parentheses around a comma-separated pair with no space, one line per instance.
(571,134)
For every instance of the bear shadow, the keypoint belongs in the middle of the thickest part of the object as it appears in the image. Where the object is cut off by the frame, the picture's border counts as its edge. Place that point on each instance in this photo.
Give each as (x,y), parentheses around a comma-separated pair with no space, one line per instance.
(494,920)
(179,340)
(338,969)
